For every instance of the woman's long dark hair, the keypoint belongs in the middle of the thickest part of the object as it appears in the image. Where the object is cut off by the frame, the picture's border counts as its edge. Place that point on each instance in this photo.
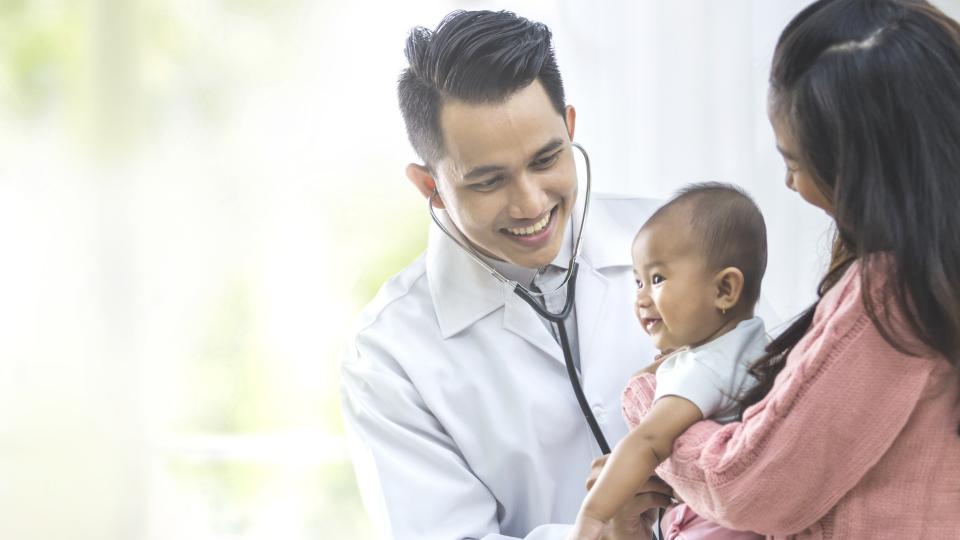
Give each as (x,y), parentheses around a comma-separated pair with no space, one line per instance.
(870,90)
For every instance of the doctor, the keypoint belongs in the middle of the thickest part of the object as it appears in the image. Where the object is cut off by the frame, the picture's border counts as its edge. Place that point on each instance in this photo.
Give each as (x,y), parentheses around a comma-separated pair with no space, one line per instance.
(455,392)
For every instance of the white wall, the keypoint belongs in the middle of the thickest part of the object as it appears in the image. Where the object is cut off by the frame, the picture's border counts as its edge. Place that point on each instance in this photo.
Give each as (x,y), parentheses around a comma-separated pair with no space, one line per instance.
(674,92)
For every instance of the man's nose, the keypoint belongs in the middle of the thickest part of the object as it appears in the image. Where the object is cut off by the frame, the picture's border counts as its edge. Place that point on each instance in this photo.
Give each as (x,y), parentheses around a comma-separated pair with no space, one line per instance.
(528,200)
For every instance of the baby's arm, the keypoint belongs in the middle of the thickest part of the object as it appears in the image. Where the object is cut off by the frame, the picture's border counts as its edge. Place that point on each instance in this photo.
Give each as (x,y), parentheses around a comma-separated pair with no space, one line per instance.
(634,459)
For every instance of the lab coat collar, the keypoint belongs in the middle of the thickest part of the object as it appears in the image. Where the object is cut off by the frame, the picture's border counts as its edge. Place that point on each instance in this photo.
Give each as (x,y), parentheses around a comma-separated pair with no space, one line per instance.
(463,292)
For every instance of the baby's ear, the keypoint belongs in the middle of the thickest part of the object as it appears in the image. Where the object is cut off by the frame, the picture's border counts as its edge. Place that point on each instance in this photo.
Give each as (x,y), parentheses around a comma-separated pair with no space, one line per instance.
(729,288)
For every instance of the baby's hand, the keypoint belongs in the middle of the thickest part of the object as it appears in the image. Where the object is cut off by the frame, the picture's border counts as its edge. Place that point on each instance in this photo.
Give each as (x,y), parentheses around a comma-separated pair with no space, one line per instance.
(652,367)
(586,528)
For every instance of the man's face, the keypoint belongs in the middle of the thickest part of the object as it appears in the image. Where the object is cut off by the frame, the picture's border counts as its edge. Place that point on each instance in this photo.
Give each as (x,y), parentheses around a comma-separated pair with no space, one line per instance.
(508,178)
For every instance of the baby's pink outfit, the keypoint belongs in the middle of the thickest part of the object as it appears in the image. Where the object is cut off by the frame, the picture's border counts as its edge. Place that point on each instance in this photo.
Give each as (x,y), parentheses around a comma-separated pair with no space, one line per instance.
(680,522)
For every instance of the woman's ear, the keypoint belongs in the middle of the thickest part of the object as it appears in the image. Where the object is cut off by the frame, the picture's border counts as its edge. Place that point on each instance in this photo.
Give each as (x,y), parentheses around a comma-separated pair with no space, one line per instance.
(729,283)
(423,180)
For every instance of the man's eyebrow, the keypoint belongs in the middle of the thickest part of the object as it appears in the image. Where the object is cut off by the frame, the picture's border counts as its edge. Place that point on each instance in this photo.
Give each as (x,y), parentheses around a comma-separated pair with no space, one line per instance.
(482,170)
(552,144)
(786,154)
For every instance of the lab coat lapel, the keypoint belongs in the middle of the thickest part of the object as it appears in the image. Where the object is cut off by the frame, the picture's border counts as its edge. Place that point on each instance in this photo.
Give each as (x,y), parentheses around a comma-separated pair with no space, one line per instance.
(607,239)
(521,319)
(592,292)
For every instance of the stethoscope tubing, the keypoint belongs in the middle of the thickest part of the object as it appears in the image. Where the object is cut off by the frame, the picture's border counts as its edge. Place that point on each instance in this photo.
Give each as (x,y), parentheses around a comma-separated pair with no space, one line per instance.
(558,319)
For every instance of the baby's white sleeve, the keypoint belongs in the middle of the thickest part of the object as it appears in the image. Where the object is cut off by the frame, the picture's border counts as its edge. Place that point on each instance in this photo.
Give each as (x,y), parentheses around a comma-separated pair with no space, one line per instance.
(697,378)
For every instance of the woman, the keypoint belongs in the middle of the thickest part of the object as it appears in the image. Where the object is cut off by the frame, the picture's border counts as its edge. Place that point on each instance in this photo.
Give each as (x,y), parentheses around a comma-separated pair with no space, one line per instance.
(853,429)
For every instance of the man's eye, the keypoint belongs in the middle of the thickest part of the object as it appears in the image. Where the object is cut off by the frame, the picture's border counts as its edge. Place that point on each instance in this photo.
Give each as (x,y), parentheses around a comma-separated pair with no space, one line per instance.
(657,278)
(545,162)
(487,185)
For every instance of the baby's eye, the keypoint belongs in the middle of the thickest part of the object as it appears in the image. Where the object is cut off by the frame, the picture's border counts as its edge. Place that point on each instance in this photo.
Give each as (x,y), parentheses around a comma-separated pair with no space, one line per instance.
(657,278)
(639,283)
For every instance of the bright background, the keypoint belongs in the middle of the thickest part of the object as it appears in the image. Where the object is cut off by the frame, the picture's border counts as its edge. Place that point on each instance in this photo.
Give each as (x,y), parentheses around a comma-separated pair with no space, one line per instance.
(196,197)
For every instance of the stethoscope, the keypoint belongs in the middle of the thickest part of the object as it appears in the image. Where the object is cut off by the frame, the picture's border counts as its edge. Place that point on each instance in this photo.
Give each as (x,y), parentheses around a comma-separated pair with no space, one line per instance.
(531,297)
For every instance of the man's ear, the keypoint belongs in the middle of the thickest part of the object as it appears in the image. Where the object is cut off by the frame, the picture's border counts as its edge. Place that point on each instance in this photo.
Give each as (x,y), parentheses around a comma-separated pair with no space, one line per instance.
(570,115)
(423,180)
(729,283)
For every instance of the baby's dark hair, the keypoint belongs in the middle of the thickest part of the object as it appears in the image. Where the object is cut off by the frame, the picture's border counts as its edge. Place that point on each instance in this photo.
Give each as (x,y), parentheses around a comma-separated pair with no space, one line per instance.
(727,228)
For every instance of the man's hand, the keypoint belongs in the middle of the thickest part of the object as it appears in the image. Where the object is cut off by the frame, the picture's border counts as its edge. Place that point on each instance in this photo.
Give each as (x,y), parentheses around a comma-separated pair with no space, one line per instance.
(588,528)
(635,519)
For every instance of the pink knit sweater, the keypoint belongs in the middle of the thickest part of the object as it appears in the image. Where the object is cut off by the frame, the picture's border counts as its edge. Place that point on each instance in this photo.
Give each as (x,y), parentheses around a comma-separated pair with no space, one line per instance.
(855,440)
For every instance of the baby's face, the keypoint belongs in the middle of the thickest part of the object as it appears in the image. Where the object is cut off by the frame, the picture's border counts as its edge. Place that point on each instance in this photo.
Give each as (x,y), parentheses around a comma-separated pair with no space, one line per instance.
(676,292)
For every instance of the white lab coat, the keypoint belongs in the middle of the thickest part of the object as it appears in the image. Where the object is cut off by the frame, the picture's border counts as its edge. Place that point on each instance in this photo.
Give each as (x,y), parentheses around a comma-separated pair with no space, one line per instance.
(462,421)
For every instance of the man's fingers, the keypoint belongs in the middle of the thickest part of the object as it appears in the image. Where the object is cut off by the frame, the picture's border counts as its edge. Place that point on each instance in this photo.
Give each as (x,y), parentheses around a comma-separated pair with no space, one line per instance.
(598,462)
(655,484)
(650,517)
(651,500)
(592,479)
(595,467)
(653,366)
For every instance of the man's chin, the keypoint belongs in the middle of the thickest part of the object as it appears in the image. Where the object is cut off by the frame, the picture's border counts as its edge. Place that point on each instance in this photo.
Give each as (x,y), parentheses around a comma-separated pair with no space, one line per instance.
(533,261)
(515,254)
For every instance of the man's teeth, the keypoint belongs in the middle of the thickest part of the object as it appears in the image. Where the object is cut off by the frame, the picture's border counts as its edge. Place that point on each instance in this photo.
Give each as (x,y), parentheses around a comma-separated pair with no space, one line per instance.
(533,229)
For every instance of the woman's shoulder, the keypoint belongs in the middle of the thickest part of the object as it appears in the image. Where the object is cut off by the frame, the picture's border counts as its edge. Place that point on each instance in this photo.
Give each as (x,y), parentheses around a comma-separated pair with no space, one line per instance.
(876,274)
(865,297)
(845,296)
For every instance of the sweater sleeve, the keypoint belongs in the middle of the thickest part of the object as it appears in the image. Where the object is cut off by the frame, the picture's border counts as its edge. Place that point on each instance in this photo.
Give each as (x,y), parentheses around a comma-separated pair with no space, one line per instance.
(834,410)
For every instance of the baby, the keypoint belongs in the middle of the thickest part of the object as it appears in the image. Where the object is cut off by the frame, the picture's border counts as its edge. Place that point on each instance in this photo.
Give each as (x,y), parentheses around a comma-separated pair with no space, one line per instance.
(698,261)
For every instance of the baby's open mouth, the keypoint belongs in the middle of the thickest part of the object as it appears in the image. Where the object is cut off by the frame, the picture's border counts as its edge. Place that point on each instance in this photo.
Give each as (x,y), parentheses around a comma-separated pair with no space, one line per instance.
(649,323)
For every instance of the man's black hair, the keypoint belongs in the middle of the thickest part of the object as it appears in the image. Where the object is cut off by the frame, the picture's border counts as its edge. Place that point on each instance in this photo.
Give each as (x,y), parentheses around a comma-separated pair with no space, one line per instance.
(475,57)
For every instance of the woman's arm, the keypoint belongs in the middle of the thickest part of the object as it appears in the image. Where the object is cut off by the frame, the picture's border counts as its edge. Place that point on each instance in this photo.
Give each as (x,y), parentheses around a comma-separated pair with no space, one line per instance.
(633,460)
(831,415)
